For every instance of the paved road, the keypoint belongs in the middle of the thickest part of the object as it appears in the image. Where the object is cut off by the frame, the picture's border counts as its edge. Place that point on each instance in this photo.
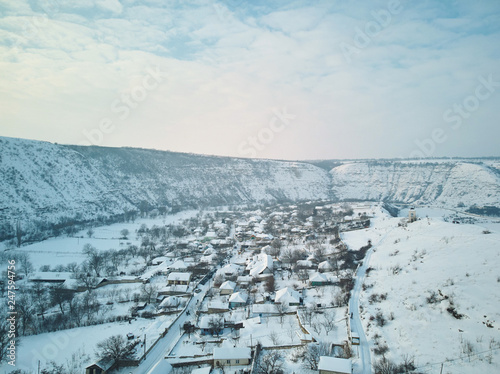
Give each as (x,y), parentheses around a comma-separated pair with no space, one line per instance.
(364,366)
(156,356)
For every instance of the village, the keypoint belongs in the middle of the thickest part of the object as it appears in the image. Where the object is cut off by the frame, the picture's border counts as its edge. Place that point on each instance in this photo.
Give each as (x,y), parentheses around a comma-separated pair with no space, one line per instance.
(234,291)
(264,282)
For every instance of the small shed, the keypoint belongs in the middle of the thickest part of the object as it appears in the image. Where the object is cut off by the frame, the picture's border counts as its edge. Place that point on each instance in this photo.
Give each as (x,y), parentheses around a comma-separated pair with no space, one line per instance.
(334,365)
(103,366)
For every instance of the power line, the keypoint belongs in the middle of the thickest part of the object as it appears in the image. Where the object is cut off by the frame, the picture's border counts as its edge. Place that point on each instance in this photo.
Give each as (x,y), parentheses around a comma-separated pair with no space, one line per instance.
(458,358)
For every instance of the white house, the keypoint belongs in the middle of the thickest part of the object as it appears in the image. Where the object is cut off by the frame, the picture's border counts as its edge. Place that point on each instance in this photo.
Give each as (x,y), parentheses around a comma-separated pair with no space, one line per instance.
(262,264)
(227,288)
(179,278)
(288,296)
(325,266)
(334,365)
(230,356)
(318,279)
(238,299)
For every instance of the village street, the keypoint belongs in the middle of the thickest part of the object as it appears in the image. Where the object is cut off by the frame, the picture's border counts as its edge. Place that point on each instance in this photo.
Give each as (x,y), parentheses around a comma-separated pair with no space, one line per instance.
(156,356)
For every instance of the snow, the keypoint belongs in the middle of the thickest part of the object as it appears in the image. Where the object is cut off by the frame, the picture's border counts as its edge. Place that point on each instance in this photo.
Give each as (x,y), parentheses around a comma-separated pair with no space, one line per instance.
(238,297)
(339,365)
(429,257)
(179,277)
(231,353)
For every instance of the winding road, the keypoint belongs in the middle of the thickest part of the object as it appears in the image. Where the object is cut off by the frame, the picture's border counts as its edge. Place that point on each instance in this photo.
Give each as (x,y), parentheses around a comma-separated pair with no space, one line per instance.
(364,366)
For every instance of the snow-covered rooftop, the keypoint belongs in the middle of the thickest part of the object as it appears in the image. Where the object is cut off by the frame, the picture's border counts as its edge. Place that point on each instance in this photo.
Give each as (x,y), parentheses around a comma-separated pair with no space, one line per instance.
(230,353)
(338,365)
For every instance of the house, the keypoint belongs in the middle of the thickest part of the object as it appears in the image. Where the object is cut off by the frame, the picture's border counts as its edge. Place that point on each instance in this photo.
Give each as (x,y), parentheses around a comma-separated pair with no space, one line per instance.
(230,356)
(50,277)
(325,266)
(179,266)
(217,307)
(174,289)
(243,280)
(103,366)
(334,365)
(262,310)
(227,288)
(288,296)
(170,302)
(238,299)
(176,278)
(318,279)
(261,265)
(230,270)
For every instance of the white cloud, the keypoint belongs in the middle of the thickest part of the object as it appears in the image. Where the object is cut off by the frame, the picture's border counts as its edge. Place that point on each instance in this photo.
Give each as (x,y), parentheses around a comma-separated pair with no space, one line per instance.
(228,68)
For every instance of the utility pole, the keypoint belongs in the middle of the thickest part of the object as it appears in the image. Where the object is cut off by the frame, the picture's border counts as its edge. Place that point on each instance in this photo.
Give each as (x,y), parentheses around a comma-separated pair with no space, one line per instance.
(144,346)
(441,369)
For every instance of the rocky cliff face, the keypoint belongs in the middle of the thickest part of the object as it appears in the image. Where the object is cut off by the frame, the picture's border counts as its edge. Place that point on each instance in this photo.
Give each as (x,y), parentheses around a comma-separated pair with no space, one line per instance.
(447,183)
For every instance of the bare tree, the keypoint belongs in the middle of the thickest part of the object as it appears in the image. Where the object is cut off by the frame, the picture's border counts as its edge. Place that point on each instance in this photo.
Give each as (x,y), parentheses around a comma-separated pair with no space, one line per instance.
(312,354)
(40,298)
(149,290)
(115,348)
(215,326)
(270,284)
(270,363)
(275,339)
(85,278)
(328,321)
(19,233)
(25,263)
(282,308)
(90,232)
(235,337)
(60,295)
(124,233)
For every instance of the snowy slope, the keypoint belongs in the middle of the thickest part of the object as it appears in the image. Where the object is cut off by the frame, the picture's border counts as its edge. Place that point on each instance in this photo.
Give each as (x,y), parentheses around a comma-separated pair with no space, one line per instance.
(49,182)
(443,183)
(458,264)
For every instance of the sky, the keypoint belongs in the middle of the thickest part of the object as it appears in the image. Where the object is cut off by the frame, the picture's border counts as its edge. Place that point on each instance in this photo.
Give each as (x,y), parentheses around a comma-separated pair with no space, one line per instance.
(275,79)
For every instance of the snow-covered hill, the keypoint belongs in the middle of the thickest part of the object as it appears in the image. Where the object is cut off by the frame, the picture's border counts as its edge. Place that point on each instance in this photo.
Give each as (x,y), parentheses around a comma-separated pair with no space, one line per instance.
(432,294)
(446,183)
(53,185)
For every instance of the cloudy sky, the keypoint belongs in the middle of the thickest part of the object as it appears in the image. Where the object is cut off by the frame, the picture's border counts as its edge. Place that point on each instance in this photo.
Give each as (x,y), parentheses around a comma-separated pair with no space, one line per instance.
(269,79)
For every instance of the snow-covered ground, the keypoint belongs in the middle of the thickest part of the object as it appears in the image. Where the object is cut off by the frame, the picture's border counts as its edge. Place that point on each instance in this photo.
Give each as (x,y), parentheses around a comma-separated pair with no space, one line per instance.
(422,275)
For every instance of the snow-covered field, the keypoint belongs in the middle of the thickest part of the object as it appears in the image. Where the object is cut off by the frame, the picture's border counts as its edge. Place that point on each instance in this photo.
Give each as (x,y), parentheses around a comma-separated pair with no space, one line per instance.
(59,346)
(422,275)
